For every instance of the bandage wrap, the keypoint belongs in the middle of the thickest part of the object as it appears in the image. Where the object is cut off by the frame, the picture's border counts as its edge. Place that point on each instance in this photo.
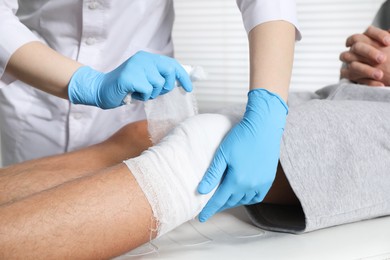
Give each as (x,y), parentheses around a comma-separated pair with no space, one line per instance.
(169,172)
(167,111)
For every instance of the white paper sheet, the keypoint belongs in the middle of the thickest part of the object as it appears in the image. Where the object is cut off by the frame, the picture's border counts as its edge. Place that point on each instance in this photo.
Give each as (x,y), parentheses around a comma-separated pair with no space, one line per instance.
(229,235)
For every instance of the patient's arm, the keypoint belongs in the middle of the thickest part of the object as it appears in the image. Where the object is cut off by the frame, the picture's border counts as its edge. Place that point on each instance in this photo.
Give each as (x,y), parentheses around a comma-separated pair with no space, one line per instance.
(20,180)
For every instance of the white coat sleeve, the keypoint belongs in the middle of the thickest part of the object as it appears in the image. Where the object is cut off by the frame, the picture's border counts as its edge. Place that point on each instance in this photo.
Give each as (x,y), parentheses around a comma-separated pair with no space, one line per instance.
(13,34)
(255,12)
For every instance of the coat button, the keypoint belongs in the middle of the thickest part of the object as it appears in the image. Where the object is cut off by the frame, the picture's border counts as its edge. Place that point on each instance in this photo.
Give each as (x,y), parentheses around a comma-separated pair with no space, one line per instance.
(90,41)
(93,5)
(77,116)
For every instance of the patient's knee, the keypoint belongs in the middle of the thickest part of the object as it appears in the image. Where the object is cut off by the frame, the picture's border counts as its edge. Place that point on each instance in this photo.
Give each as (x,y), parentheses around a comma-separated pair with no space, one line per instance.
(170,172)
(132,139)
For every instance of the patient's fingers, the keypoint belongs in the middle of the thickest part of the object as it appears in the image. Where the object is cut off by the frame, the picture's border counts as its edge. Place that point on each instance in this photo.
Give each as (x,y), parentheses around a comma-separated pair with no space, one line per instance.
(348,57)
(370,82)
(351,40)
(368,52)
(378,35)
(373,36)
(356,71)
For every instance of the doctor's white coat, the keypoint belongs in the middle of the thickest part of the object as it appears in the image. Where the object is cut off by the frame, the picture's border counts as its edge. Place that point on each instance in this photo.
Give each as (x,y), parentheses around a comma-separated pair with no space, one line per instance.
(98,33)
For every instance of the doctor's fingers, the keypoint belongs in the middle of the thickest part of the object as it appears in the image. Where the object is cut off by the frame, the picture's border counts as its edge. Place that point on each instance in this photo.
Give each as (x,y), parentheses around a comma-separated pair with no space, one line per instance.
(142,90)
(216,202)
(356,71)
(246,199)
(157,81)
(370,53)
(253,197)
(171,70)
(257,199)
(234,201)
(379,35)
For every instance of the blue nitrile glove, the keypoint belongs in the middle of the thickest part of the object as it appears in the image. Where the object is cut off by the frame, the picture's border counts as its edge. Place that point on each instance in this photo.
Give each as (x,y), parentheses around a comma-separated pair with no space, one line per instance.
(145,75)
(245,163)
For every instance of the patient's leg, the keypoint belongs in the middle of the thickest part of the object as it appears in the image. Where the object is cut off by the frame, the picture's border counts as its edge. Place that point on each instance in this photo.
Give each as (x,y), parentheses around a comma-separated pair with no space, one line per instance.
(170,172)
(105,214)
(20,180)
(93,217)
(110,212)
(281,191)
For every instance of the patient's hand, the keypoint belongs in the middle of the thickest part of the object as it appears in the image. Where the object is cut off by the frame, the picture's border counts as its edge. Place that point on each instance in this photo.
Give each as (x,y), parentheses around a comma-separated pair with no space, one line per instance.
(368,59)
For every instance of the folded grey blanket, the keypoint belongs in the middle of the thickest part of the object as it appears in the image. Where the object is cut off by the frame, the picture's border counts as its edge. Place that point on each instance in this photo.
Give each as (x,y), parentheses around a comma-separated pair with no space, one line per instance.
(336,155)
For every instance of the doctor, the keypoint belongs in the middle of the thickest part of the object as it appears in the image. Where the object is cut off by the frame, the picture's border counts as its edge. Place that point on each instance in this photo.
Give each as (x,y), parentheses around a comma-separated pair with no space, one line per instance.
(62,61)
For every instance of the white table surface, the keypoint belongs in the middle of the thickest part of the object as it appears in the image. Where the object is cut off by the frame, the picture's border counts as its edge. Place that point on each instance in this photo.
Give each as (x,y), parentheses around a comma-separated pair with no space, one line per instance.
(230,235)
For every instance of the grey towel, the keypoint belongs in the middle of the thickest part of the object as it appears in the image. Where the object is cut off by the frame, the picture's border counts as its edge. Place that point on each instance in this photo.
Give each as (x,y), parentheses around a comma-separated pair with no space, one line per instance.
(336,155)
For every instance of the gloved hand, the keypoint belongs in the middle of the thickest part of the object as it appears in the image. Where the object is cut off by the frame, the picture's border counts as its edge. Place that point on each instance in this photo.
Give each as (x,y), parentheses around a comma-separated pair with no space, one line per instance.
(246,161)
(145,75)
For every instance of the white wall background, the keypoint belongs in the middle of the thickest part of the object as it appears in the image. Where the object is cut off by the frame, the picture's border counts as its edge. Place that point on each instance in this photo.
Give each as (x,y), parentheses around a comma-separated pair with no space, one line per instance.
(210,33)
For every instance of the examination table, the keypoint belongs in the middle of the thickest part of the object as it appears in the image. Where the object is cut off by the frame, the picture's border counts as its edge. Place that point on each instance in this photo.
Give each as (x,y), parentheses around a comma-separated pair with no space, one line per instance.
(230,235)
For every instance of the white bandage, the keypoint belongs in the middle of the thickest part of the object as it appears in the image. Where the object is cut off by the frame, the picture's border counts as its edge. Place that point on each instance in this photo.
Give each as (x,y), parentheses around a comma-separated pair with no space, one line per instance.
(167,111)
(169,172)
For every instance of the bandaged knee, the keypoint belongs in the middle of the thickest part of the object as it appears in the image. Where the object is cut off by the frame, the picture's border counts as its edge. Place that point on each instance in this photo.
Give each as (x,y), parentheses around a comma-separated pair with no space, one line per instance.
(169,172)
